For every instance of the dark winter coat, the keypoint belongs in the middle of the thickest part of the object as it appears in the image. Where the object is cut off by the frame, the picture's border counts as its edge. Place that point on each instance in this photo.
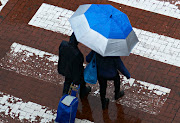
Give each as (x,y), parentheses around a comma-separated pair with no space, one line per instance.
(107,66)
(70,63)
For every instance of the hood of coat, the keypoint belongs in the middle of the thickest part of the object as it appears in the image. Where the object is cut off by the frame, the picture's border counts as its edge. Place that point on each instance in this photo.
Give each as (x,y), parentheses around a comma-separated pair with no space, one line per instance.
(73,41)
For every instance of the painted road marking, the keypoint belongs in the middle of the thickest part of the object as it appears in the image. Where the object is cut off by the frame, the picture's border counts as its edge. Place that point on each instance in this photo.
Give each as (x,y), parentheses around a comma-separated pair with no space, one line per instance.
(37,66)
(3,2)
(139,95)
(153,46)
(42,65)
(32,112)
(52,18)
(160,7)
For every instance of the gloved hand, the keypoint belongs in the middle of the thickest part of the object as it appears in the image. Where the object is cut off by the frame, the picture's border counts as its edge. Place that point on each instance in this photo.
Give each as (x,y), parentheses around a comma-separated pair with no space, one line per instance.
(128,77)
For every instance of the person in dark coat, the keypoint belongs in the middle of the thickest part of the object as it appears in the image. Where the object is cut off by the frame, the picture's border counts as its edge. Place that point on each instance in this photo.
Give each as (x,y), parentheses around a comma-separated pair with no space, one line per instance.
(107,69)
(70,65)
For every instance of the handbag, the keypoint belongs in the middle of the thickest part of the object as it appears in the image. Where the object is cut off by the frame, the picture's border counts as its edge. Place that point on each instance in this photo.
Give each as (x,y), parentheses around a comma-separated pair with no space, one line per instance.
(90,72)
(67,108)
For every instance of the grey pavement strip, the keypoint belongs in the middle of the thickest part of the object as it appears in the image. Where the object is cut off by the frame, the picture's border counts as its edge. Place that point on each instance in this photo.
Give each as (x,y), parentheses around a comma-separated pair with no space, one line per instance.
(151,45)
(39,64)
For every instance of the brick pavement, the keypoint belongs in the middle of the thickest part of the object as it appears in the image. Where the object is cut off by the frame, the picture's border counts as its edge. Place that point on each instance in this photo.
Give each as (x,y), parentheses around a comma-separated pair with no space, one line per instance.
(41,65)
(14,19)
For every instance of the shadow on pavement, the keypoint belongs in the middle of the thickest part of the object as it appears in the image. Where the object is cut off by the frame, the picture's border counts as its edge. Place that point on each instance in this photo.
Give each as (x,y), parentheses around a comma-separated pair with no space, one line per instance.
(85,112)
(118,116)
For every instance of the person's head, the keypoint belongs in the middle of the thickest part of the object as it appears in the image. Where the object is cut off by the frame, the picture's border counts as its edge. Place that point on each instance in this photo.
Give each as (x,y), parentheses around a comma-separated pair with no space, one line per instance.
(73,40)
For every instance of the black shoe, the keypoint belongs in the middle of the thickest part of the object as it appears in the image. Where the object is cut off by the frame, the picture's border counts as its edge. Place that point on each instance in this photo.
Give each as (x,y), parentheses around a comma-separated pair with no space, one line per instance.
(88,90)
(119,95)
(105,103)
(85,92)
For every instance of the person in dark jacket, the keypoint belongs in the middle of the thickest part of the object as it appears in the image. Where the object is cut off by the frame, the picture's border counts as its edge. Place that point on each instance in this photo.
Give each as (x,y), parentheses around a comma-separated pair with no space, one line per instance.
(107,69)
(70,65)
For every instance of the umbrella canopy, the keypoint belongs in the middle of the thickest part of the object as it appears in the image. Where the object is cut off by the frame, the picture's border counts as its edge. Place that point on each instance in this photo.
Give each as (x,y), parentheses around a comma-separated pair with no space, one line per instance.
(104,29)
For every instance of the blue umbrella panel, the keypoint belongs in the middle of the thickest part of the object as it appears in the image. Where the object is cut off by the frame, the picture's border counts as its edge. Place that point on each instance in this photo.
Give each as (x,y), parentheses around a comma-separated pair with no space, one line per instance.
(104,29)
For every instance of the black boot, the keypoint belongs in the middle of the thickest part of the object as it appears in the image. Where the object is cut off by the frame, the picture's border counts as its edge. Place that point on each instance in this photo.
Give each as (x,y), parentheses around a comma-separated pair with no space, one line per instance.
(119,95)
(66,89)
(105,103)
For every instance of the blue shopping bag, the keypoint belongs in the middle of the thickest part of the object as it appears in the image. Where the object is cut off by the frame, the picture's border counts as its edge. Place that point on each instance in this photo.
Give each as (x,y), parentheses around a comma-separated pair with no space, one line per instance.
(67,108)
(90,72)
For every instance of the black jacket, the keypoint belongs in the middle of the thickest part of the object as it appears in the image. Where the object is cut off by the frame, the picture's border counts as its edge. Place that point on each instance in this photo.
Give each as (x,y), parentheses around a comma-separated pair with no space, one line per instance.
(107,66)
(71,60)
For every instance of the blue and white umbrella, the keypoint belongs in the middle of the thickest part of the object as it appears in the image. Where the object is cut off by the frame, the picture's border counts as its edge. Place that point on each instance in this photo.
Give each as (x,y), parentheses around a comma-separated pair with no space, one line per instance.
(104,29)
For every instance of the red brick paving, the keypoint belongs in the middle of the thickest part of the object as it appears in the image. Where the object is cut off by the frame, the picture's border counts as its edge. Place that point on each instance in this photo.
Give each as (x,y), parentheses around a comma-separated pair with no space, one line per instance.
(14,27)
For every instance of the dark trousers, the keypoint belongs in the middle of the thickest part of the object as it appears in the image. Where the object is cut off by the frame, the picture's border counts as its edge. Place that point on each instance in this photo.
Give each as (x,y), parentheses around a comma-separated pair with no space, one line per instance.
(103,85)
(67,84)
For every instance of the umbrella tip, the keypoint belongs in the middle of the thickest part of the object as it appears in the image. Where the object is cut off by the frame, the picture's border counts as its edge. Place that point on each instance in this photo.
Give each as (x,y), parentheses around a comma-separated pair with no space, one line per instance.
(111,16)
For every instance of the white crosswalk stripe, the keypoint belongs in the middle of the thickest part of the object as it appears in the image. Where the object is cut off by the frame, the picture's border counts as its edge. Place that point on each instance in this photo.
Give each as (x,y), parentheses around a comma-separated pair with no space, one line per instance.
(4,2)
(156,6)
(21,58)
(153,46)
(16,107)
